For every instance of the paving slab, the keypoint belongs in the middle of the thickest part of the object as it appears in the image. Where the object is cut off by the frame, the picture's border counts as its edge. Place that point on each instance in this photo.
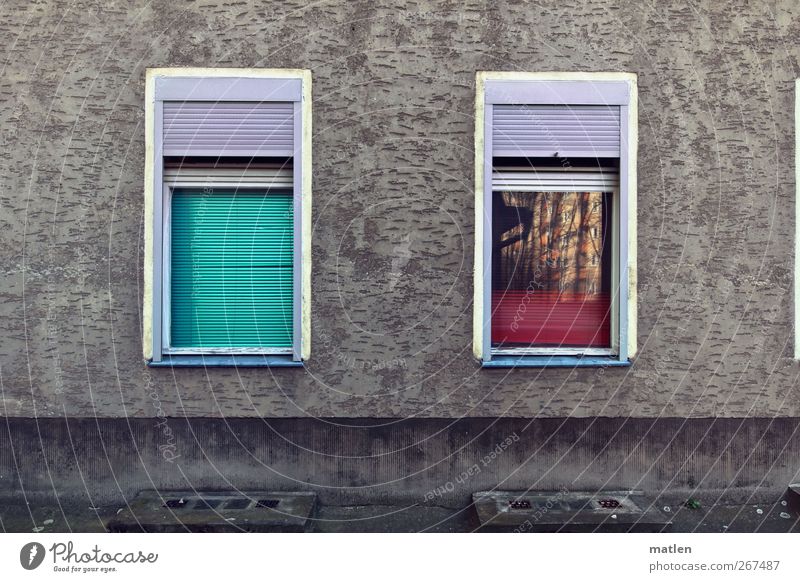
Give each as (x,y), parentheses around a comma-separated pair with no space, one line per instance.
(210,511)
(536,510)
(73,515)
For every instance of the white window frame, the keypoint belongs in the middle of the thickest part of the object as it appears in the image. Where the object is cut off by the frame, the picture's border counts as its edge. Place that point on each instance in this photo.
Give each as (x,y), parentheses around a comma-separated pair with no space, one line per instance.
(558,89)
(797,220)
(231,85)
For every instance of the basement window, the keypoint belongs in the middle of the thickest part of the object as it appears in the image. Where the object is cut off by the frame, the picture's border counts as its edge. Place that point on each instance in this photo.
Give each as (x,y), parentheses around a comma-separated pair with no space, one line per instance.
(556,202)
(228,185)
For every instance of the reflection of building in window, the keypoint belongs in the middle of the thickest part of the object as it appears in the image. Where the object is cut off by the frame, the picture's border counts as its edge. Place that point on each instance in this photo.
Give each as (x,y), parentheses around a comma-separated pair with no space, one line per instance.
(535,245)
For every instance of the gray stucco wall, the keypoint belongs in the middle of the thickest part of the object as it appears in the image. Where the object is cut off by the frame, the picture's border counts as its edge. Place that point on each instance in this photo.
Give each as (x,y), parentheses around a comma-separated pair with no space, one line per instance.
(393,204)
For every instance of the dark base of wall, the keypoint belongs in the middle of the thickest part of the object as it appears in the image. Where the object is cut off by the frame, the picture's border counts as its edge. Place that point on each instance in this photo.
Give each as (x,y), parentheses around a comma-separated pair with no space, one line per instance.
(374,461)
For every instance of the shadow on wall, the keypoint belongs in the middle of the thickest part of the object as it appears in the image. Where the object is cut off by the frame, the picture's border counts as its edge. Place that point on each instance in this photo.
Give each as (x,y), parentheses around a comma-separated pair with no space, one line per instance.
(426,461)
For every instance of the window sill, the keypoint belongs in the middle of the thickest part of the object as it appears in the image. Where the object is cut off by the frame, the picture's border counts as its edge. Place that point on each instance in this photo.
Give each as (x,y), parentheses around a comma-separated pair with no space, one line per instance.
(554,362)
(222,361)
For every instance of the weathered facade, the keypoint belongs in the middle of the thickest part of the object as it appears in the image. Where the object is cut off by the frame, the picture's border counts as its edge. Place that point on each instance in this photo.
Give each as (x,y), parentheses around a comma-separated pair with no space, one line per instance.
(392,244)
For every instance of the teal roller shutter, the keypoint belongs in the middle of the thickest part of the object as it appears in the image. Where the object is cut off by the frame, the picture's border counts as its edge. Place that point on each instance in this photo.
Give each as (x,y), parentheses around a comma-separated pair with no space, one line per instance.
(232,264)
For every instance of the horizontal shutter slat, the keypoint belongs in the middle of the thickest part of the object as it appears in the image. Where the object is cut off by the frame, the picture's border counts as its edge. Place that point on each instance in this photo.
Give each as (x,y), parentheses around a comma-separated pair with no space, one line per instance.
(547,179)
(549,130)
(232,269)
(192,128)
(268,175)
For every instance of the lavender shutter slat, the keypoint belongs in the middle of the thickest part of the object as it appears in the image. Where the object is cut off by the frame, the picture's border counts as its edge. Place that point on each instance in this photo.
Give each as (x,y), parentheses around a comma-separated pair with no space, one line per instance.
(199,128)
(550,130)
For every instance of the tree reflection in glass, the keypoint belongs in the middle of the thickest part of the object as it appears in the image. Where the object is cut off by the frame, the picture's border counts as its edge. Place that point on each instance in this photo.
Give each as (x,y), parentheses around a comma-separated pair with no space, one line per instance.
(550,269)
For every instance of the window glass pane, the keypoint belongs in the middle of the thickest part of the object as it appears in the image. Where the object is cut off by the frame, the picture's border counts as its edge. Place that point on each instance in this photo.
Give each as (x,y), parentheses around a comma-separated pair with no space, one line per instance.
(551,269)
(231,278)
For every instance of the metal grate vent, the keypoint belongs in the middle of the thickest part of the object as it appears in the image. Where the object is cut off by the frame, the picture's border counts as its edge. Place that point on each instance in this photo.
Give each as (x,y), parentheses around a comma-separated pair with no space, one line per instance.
(565,510)
(207,503)
(205,511)
(241,503)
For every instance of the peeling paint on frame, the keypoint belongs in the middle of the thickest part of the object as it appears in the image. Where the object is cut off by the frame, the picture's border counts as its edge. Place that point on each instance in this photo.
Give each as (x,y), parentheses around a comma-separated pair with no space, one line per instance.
(305,76)
(632,139)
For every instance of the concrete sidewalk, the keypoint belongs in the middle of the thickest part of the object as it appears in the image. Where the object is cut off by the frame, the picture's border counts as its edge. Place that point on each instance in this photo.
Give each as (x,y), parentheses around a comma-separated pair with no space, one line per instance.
(70,517)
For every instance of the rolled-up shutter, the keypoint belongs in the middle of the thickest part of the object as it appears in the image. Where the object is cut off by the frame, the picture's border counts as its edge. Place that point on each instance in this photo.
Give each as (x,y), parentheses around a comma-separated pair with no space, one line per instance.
(555,179)
(263,174)
(591,131)
(228,128)
(232,268)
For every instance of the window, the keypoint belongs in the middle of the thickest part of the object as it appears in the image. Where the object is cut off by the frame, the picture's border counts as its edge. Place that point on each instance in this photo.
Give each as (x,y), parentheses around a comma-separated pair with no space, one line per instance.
(228,203)
(555,208)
